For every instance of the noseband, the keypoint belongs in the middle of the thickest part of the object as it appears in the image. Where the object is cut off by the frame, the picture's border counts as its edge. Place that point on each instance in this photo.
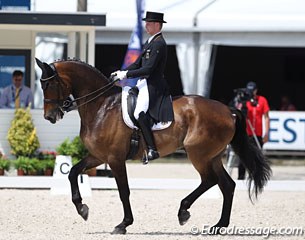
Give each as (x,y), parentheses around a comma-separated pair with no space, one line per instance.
(66,105)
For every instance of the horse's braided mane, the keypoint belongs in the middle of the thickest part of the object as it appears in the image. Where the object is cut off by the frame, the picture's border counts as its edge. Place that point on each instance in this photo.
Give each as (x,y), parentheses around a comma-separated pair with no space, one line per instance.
(83,63)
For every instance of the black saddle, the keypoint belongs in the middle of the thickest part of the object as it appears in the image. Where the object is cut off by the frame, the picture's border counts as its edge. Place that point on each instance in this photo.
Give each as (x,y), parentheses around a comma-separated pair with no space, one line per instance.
(135,137)
(131,103)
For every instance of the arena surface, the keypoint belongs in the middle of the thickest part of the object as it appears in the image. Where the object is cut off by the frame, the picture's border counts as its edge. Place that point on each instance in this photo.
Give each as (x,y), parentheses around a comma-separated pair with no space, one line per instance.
(36,214)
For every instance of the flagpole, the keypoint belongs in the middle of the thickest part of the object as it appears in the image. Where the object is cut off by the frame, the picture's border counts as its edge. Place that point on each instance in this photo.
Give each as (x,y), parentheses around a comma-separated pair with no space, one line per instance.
(135,43)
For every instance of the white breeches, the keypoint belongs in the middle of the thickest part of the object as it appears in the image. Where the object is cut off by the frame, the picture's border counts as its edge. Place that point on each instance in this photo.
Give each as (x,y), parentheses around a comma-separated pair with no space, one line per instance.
(143,98)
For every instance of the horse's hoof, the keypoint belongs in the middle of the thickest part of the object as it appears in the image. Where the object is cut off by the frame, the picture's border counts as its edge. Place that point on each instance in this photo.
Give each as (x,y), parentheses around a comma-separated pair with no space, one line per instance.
(184,217)
(84,212)
(118,230)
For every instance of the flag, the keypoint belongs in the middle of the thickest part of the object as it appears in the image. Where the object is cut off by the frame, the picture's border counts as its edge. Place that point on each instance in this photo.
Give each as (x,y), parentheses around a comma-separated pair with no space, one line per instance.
(135,43)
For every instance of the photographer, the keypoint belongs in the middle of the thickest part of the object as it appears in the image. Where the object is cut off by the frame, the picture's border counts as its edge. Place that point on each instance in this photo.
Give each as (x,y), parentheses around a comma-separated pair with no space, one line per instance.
(256,108)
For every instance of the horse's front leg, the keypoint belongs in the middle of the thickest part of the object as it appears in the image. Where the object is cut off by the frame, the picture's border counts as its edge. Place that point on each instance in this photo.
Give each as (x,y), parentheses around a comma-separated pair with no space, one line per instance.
(120,174)
(86,163)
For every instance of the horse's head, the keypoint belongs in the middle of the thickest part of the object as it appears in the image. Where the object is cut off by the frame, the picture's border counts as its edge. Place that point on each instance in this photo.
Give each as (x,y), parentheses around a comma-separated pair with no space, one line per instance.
(55,91)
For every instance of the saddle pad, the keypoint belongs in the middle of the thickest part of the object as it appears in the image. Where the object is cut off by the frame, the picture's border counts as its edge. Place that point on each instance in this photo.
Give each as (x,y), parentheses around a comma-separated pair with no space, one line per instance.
(127,120)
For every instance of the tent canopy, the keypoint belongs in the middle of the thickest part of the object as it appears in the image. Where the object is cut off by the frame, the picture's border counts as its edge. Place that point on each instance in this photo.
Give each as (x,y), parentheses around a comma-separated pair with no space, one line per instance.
(211,15)
(253,15)
(230,22)
(196,25)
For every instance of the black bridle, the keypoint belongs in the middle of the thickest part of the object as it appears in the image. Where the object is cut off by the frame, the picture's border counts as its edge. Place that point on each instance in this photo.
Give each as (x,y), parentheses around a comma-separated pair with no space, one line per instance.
(67,104)
(45,83)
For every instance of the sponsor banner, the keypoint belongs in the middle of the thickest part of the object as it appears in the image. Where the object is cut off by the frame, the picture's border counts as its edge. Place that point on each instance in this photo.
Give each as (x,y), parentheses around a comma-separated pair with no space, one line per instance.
(287,131)
(15,5)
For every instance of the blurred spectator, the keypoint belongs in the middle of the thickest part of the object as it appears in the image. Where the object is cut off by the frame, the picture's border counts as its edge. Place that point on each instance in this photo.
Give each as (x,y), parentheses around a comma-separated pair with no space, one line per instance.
(17,94)
(286,104)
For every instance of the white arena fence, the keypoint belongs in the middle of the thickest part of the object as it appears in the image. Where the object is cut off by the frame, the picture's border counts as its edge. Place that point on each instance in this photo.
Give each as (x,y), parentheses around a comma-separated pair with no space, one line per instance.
(287,130)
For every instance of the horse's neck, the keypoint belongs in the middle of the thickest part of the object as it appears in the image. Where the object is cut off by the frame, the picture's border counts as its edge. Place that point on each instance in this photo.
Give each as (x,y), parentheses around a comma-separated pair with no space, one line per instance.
(97,104)
(86,82)
(83,88)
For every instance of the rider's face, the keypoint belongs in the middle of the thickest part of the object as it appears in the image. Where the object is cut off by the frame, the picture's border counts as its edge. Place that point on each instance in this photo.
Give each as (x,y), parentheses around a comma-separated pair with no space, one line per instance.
(152,27)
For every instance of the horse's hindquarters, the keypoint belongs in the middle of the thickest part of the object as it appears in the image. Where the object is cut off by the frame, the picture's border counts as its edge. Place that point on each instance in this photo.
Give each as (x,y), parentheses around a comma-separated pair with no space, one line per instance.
(208,126)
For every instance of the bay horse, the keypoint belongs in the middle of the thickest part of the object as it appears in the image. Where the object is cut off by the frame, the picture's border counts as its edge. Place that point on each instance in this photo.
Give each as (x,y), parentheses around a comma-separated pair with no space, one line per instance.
(201,126)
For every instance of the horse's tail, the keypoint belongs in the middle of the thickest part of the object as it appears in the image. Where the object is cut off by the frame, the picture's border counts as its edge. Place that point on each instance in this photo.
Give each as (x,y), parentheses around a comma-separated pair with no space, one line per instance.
(251,156)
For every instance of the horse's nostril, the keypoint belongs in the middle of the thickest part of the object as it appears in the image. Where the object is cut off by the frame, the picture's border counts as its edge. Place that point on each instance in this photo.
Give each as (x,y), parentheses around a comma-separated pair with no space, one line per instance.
(50,118)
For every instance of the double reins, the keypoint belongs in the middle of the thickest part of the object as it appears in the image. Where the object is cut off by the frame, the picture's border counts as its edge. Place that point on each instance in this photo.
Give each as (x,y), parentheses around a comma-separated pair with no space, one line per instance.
(67,104)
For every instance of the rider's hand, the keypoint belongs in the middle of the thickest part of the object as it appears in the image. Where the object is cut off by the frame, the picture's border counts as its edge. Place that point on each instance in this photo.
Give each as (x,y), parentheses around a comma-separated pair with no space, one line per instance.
(119,75)
(114,73)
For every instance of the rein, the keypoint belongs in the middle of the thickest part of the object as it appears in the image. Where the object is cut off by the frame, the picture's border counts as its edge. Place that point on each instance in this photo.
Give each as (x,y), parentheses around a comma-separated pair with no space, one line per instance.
(69,102)
(67,105)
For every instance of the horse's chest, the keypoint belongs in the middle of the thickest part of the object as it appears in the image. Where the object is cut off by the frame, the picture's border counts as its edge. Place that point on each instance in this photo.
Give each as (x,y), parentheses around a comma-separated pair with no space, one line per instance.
(90,140)
(93,141)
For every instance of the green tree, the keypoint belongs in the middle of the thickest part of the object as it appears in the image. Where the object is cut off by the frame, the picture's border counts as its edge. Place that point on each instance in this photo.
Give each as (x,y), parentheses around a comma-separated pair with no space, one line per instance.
(22,135)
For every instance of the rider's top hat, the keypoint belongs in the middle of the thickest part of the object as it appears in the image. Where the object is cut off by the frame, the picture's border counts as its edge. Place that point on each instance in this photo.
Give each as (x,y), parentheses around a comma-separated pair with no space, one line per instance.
(154,17)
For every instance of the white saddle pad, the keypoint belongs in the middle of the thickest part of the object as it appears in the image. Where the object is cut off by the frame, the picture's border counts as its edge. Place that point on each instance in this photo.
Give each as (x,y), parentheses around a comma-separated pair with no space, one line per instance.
(127,120)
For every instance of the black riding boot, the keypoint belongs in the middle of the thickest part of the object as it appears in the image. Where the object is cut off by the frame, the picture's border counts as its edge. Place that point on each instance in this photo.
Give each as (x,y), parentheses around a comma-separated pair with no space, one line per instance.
(148,137)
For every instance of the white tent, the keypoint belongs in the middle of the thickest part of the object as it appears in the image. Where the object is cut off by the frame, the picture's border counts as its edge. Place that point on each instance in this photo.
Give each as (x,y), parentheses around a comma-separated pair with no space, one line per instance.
(194,26)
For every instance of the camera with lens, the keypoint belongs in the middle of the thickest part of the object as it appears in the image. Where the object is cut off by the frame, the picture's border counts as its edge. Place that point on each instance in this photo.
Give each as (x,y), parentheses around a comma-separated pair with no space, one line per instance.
(242,95)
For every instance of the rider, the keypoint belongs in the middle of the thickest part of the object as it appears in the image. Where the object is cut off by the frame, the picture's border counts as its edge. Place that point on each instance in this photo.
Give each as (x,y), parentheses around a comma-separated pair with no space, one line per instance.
(154,101)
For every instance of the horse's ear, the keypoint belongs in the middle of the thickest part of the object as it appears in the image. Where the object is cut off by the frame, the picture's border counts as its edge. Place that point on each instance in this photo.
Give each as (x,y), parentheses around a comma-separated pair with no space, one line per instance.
(46,68)
(39,63)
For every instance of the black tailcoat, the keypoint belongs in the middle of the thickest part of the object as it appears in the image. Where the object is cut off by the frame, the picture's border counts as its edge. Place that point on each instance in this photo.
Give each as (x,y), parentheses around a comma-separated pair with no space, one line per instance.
(150,65)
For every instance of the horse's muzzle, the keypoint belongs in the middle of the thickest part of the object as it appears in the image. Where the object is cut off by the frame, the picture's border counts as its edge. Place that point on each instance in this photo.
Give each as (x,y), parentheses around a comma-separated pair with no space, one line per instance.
(54,116)
(50,118)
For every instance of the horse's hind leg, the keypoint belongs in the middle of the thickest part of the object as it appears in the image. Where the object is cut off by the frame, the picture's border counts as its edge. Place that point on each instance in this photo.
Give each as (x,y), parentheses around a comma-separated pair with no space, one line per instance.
(183,213)
(86,163)
(211,174)
(208,180)
(227,187)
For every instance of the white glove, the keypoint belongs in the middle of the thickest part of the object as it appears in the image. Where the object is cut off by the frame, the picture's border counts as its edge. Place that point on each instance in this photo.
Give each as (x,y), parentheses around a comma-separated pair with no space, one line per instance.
(119,75)
(114,73)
